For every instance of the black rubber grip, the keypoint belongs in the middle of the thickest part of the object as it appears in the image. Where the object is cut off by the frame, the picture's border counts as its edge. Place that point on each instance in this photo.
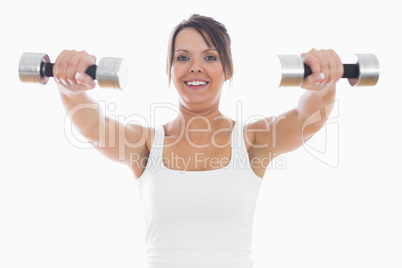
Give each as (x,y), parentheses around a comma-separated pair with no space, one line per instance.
(46,69)
(349,71)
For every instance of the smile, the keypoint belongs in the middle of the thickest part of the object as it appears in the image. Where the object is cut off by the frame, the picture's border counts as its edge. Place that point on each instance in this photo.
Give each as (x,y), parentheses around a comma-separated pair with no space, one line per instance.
(196,83)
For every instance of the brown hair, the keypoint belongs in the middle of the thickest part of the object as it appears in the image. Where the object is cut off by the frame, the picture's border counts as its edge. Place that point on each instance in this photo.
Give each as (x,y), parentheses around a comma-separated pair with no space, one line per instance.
(215,35)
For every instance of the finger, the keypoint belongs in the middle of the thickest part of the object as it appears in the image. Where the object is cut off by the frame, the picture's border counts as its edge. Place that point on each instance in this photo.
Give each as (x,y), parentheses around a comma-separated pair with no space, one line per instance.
(81,77)
(56,66)
(85,61)
(324,65)
(73,65)
(335,65)
(312,60)
(85,80)
(332,67)
(62,65)
(339,65)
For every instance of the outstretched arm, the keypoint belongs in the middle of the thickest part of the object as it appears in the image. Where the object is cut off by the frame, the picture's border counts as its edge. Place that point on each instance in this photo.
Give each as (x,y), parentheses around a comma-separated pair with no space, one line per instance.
(116,141)
(289,131)
(317,102)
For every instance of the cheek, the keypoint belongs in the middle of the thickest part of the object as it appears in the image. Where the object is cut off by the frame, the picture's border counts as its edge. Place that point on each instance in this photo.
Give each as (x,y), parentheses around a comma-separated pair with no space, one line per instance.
(179,67)
(176,72)
(217,69)
(218,74)
(176,76)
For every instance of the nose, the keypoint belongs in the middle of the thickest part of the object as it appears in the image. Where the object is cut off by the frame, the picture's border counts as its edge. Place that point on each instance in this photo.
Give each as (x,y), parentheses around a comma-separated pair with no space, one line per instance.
(196,67)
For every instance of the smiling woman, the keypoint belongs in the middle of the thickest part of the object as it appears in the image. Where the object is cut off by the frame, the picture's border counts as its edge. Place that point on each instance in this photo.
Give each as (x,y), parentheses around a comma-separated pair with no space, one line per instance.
(197,67)
(215,36)
(199,211)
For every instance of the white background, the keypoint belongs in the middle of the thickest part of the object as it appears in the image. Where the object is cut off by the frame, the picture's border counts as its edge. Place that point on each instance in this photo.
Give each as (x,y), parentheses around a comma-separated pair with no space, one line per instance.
(338,201)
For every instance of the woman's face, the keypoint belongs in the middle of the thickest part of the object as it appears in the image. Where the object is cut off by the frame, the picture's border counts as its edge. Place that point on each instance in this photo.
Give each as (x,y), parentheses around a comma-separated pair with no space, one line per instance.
(197,71)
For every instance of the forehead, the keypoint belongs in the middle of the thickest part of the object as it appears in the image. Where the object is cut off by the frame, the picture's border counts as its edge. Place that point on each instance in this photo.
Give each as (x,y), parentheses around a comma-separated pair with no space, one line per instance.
(189,38)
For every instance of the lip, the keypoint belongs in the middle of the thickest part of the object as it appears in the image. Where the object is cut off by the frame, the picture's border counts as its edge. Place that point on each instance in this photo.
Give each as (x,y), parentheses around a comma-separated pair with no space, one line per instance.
(196,80)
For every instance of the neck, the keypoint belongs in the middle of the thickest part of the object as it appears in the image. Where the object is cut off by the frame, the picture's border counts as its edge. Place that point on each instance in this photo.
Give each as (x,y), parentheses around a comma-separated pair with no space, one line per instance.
(199,124)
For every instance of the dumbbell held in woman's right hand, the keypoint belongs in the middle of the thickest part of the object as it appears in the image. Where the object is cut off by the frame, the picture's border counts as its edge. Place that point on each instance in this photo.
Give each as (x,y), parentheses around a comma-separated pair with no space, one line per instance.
(110,72)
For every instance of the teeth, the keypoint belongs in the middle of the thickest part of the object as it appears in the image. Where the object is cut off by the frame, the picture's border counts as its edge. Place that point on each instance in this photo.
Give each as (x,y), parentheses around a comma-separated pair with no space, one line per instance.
(196,83)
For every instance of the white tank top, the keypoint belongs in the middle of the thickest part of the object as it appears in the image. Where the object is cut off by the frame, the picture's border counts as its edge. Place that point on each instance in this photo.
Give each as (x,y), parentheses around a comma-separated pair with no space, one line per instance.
(199,219)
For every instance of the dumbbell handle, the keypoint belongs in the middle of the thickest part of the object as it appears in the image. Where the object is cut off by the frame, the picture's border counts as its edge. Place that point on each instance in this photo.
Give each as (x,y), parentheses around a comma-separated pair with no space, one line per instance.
(46,69)
(350,71)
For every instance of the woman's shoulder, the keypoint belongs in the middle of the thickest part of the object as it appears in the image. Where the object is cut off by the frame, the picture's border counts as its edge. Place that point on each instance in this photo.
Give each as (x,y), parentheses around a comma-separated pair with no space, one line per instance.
(135,133)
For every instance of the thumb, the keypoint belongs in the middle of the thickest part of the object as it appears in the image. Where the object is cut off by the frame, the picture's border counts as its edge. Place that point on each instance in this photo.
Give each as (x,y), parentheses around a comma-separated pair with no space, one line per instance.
(85,80)
(314,79)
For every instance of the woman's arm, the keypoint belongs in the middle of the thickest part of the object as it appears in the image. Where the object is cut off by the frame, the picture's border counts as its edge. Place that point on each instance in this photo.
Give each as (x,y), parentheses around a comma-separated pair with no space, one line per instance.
(279,135)
(116,141)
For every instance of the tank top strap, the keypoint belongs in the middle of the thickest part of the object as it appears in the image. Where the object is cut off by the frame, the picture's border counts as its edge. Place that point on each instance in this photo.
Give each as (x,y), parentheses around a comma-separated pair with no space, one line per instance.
(238,143)
(156,152)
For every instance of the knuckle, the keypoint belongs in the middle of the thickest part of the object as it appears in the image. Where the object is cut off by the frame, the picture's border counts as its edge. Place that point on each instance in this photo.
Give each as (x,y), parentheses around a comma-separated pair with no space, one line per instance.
(67,52)
(71,65)
(82,53)
(64,52)
(89,59)
(63,64)
(315,61)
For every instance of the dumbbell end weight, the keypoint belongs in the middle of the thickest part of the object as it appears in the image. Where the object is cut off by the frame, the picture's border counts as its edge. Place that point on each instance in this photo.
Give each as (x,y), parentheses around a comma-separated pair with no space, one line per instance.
(369,71)
(30,68)
(110,72)
(292,70)
(364,73)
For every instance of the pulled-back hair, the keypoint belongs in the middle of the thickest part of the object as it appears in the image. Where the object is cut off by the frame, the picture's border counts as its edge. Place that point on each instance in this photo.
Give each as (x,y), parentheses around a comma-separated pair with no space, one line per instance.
(215,35)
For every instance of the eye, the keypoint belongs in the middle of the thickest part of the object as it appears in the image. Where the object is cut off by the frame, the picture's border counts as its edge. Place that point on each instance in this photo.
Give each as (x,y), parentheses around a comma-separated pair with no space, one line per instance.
(182,58)
(210,58)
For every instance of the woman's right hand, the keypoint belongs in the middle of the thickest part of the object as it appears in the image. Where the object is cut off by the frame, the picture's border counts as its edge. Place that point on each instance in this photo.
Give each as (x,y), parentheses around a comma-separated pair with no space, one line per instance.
(69,71)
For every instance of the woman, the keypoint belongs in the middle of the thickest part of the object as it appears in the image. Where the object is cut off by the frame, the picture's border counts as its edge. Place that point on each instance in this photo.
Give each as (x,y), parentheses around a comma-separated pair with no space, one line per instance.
(199,174)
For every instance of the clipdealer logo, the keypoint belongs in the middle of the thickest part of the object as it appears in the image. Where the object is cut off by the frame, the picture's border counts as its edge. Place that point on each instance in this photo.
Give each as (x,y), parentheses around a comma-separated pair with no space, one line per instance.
(323,147)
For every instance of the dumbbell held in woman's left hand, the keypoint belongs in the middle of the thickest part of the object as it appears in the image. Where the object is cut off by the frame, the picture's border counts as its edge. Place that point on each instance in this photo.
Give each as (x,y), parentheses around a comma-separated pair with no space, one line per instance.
(365,72)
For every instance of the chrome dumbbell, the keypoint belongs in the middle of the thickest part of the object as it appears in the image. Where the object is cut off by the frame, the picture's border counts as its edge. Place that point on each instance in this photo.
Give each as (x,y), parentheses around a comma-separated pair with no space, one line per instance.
(37,68)
(363,73)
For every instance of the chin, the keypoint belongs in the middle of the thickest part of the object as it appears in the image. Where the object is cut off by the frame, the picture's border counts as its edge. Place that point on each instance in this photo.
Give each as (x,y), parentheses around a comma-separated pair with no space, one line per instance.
(198,105)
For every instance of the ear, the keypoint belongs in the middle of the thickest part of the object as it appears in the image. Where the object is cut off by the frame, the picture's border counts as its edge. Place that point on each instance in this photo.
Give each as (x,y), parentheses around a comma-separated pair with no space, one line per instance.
(228,77)
(229,72)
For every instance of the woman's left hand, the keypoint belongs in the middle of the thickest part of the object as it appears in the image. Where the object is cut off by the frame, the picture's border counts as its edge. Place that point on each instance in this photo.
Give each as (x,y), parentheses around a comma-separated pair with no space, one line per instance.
(326,68)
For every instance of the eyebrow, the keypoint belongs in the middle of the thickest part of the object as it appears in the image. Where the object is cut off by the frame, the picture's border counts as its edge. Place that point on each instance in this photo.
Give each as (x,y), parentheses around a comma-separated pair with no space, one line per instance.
(185,50)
